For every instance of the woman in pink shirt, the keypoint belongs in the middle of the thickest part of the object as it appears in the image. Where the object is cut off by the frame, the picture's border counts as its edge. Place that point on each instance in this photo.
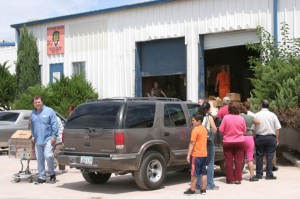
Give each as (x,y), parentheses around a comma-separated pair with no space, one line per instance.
(233,128)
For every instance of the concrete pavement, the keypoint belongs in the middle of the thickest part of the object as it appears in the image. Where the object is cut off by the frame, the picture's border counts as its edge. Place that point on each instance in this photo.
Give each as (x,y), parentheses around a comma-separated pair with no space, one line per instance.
(72,185)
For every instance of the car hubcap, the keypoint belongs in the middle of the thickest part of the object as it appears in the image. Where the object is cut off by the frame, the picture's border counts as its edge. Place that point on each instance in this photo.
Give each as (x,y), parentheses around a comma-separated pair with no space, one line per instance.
(154,171)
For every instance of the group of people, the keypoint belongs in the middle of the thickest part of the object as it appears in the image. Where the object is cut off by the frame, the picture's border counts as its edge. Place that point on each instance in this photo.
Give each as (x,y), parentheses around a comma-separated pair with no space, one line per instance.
(243,132)
(46,130)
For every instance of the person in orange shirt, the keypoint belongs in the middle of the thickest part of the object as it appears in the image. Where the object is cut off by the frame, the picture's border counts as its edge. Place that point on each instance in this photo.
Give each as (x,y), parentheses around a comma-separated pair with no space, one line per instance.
(197,155)
(223,82)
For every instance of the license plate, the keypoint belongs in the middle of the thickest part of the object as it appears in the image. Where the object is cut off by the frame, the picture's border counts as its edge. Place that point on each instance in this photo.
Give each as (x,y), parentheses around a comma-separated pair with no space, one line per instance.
(86,160)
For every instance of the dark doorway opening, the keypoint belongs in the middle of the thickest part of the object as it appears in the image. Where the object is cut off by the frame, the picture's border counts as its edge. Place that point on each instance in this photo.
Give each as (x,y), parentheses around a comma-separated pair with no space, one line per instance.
(236,60)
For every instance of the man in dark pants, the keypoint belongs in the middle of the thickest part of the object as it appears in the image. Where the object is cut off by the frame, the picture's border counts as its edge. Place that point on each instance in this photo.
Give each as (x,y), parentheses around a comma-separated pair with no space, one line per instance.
(266,139)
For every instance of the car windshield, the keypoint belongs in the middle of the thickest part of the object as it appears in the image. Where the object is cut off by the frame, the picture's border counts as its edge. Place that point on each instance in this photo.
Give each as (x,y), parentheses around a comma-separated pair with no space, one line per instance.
(8,117)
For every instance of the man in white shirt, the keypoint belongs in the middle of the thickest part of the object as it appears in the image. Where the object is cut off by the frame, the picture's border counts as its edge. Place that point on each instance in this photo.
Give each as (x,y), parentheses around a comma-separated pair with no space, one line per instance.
(266,139)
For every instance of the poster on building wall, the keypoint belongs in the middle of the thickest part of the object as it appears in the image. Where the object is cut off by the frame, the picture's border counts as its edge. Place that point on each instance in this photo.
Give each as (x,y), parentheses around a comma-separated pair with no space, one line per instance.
(55,40)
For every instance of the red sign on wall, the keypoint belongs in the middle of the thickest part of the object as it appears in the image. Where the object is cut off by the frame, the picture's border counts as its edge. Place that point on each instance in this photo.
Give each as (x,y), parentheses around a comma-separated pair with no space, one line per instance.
(56,40)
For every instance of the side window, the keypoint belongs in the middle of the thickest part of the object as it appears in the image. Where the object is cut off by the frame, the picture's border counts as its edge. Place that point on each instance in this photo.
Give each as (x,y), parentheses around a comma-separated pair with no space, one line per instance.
(139,115)
(193,108)
(174,115)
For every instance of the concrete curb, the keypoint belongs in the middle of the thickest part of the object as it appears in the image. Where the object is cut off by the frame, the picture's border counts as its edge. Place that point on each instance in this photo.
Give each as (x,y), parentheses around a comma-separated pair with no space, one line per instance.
(291,158)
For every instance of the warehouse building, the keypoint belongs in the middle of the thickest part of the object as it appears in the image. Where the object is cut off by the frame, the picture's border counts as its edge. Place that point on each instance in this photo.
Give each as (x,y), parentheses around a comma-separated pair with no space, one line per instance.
(122,51)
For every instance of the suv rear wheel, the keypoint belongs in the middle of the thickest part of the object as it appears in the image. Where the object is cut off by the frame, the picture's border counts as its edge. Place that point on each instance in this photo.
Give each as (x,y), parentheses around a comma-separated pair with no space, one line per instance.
(96,178)
(152,172)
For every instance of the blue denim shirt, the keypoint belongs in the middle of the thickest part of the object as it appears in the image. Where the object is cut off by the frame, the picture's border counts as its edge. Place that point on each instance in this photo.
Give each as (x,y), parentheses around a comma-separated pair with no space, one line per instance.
(44,125)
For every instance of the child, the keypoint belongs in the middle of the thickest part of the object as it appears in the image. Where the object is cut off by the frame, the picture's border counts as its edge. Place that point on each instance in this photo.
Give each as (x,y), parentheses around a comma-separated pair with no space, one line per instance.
(197,154)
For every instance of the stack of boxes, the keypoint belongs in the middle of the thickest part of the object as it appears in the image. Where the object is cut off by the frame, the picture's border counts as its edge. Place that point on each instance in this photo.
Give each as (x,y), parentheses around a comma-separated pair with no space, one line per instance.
(21,145)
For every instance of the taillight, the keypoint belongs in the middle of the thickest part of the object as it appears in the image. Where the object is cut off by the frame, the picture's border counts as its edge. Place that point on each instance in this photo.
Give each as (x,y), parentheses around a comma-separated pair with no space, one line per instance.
(119,140)
(62,137)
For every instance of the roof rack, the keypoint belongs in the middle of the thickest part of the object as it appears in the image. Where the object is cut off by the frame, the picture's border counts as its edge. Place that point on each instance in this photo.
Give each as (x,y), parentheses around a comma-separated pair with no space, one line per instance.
(136,99)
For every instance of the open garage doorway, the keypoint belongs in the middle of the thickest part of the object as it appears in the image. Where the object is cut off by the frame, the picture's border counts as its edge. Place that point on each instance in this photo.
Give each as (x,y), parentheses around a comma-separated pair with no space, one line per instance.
(235,60)
(162,61)
(172,85)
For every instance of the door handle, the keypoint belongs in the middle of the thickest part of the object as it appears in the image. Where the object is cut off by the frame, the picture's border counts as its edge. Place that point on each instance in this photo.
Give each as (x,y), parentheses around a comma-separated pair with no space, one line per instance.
(167,133)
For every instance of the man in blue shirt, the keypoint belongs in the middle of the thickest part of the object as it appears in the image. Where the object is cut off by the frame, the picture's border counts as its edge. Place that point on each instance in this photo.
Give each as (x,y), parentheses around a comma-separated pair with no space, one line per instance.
(44,130)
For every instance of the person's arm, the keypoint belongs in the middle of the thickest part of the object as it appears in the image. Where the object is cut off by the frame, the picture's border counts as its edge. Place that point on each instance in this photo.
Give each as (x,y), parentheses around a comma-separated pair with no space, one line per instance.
(54,127)
(216,85)
(277,136)
(256,121)
(161,91)
(191,147)
(212,124)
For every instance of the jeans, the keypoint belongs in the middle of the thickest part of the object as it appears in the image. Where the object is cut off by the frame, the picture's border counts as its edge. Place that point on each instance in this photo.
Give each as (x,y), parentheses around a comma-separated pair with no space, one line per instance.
(210,167)
(265,145)
(44,152)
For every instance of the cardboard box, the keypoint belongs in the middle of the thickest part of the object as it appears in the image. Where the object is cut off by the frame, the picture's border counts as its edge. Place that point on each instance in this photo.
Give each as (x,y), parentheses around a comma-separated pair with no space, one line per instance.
(22,134)
(234,97)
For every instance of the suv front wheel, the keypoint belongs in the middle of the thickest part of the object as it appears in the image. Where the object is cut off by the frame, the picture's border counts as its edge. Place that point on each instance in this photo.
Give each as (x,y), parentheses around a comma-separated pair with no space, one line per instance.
(152,172)
(96,177)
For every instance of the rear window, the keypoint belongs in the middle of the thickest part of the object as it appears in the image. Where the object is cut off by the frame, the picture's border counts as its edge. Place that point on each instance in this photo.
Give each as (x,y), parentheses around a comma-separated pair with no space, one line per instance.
(193,108)
(139,115)
(94,115)
(8,117)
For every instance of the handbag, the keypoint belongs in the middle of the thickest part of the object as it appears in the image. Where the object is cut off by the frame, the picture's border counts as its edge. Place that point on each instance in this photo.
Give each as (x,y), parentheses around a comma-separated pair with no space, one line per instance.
(210,133)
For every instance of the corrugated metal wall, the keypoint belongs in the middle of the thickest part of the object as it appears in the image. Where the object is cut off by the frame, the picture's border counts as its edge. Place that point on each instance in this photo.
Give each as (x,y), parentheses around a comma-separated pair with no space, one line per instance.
(9,53)
(106,42)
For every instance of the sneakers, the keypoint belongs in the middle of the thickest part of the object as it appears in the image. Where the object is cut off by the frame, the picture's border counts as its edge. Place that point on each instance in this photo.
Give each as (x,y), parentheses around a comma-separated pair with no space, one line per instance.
(40,181)
(258,177)
(52,179)
(203,192)
(189,192)
(253,179)
(237,182)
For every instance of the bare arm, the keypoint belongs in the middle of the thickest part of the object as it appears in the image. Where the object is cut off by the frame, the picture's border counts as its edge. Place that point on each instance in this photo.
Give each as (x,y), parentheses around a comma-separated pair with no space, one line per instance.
(191,147)
(163,93)
(256,121)
(277,136)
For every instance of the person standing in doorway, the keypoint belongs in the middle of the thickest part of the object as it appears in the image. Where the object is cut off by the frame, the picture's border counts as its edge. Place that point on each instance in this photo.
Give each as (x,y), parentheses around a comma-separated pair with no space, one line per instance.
(44,131)
(223,82)
(266,139)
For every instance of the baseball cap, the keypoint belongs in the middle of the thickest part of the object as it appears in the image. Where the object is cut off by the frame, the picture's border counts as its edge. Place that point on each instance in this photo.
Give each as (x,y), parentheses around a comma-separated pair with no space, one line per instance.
(226,100)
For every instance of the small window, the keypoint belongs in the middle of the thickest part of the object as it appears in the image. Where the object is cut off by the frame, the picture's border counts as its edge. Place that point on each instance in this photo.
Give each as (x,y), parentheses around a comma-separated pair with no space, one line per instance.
(174,115)
(79,68)
(140,115)
(9,117)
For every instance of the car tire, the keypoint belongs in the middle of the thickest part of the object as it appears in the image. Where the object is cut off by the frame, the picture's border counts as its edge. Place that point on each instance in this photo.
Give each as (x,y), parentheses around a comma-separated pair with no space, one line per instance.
(96,177)
(152,172)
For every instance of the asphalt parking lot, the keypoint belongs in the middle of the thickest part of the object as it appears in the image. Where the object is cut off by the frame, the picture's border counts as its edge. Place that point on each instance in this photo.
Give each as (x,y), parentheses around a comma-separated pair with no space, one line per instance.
(71,185)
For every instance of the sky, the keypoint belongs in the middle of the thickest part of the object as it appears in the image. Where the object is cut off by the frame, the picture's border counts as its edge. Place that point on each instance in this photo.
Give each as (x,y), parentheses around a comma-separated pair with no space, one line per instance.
(19,11)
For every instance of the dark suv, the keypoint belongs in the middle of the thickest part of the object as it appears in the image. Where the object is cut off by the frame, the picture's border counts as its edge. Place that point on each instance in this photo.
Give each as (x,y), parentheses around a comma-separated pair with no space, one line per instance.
(142,136)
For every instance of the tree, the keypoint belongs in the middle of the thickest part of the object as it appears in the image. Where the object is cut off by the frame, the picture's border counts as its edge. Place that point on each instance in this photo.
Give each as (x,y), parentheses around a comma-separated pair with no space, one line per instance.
(27,68)
(7,87)
(277,75)
(59,95)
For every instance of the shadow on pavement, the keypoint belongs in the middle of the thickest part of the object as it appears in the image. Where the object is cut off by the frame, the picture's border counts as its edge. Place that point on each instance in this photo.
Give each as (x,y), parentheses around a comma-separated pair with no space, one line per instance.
(123,184)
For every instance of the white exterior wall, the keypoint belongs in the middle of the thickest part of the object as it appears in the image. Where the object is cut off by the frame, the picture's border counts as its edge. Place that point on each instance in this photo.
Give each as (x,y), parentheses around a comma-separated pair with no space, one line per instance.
(9,54)
(107,41)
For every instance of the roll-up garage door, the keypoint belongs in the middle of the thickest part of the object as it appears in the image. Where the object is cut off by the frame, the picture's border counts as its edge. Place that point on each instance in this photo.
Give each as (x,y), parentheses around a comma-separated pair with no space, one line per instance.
(163,57)
(228,39)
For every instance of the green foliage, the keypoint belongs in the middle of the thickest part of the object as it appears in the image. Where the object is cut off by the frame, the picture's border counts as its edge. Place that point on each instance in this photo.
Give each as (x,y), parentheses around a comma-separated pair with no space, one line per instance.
(8,87)
(71,90)
(28,71)
(277,74)
(59,95)
(25,99)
